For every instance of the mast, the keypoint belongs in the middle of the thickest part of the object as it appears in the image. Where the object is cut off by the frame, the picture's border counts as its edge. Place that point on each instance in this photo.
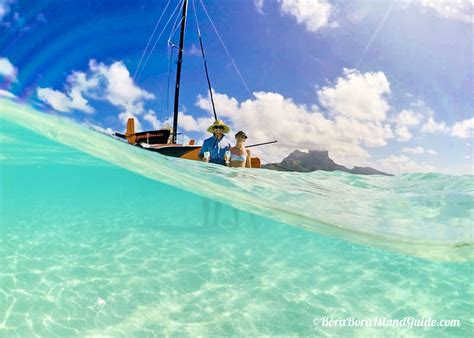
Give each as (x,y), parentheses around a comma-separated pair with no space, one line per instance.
(178,71)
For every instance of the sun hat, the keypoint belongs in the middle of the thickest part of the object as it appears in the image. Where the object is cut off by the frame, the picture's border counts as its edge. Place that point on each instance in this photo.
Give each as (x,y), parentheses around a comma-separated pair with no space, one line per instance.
(241,133)
(218,123)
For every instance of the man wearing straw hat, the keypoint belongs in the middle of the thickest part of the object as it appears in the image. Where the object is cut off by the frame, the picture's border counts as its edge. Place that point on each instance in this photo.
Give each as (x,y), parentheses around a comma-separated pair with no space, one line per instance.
(216,148)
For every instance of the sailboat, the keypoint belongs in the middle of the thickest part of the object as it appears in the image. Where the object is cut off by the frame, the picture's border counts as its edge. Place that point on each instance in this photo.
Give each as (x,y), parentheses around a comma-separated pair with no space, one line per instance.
(163,141)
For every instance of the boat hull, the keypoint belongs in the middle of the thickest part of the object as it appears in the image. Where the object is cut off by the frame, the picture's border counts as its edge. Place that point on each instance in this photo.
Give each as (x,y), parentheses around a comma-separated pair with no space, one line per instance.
(181,151)
(188,152)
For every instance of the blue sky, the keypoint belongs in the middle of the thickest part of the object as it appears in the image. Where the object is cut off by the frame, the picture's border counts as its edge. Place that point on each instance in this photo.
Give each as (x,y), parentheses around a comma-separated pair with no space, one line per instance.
(386,84)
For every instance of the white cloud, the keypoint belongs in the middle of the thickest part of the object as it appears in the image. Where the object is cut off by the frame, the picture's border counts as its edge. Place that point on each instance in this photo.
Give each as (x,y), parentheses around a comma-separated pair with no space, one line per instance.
(463,129)
(102,82)
(5,93)
(371,134)
(416,150)
(357,95)
(189,123)
(344,133)
(124,116)
(4,8)
(61,102)
(461,10)
(431,126)
(7,70)
(313,14)
(193,50)
(77,86)
(402,164)
(120,90)
(408,118)
(151,118)
(259,5)
(419,150)
(413,117)
(226,107)
(355,118)
(41,18)
(403,134)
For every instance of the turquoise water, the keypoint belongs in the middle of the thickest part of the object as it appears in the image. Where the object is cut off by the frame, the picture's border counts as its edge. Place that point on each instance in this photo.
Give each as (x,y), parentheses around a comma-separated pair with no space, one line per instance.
(101,238)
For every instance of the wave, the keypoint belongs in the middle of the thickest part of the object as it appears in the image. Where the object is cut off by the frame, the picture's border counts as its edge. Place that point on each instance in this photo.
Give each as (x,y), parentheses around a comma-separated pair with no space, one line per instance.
(425,215)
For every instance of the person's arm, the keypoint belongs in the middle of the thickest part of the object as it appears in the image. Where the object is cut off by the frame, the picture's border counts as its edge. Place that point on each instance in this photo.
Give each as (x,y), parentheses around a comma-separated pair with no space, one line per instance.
(204,148)
(249,162)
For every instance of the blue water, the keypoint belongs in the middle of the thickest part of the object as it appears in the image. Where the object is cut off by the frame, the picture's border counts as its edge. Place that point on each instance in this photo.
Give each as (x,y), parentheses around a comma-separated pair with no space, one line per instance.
(102,238)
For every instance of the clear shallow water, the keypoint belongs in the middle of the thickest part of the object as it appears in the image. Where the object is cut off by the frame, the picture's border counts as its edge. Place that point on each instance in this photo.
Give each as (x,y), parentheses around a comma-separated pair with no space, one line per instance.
(76,229)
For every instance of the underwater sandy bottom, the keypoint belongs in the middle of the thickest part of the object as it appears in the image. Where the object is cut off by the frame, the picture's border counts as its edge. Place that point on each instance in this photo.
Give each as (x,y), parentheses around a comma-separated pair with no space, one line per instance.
(125,244)
(96,250)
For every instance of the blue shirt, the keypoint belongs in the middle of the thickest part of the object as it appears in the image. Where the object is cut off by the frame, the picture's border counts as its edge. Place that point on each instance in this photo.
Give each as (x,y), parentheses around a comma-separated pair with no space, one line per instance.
(216,148)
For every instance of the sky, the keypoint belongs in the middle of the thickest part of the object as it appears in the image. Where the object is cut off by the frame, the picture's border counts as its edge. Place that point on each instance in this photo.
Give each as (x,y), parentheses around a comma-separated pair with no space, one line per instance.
(386,84)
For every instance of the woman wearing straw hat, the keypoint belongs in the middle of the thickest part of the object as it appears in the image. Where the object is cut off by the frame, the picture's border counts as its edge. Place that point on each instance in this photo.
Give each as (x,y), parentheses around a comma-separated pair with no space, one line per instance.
(216,148)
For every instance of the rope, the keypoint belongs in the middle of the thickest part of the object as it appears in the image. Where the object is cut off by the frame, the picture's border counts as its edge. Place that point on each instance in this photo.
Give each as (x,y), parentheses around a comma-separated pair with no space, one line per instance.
(170,63)
(175,28)
(149,40)
(205,63)
(252,96)
(170,58)
(174,31)
(163,103)
(162,98)
(227,51)
(158,39)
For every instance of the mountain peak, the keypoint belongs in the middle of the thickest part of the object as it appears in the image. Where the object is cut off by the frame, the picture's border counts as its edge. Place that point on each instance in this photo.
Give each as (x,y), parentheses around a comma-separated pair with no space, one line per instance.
(316,160)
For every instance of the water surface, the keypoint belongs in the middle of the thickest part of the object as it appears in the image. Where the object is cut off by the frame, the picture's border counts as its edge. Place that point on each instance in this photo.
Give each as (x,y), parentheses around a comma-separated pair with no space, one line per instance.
(99,237)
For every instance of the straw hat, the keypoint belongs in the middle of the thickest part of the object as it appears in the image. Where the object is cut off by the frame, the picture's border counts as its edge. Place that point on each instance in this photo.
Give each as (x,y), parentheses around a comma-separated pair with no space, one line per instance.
(218,123)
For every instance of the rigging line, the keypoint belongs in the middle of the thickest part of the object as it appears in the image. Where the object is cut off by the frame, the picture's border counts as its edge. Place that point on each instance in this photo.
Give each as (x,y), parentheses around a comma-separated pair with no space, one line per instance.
(175,29)
(205,63)
(170,56)
(149,40)
(162,97)
(227,51)
(170,63)
(162,90)
(233,62)
(158,38)
(163,100)
(165,92)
